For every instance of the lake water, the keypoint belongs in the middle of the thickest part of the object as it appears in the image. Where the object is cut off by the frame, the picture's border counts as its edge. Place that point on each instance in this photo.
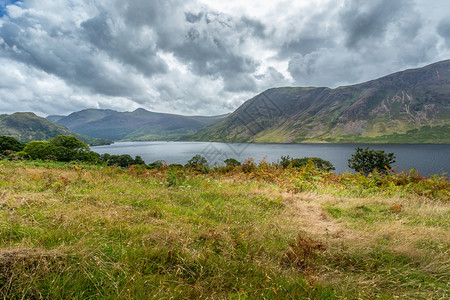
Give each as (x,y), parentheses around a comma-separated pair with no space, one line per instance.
(428,159)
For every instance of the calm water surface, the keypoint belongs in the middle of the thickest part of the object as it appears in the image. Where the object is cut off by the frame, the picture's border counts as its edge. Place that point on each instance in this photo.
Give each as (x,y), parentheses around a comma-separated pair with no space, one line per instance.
(426,158)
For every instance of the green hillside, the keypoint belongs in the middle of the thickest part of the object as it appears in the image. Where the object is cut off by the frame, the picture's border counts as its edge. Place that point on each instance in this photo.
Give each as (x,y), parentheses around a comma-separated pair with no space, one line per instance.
(26,127)
(408,107)
(139,125)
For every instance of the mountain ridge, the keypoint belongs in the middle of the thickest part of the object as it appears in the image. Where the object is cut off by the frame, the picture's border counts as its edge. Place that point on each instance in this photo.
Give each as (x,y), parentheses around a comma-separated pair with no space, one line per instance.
(406,106)
(137,125)
(27,126)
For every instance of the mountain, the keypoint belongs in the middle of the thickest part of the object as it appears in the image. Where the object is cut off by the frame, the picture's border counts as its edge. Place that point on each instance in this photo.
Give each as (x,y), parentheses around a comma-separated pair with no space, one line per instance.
(26,127)
(54,118)
(137,125)
(408,107)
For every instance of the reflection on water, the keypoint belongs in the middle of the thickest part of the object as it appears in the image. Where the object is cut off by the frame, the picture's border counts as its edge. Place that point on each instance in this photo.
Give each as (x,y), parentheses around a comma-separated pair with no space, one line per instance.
(426,158)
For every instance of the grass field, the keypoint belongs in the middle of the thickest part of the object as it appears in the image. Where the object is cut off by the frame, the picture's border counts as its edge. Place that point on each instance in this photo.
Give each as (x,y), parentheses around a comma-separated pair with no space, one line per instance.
(250,232)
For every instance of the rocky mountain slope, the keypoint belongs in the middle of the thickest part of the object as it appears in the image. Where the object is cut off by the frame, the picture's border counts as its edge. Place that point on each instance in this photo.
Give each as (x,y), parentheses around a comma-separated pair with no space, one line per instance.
(412,106)
(137,125)
(26,127)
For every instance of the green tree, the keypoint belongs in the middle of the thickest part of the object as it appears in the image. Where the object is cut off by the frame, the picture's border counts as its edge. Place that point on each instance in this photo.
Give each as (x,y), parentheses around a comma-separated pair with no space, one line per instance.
(139,161)
(87,156)
(319,163)
(47,150)
(232,162)
(156,164)
(69,142)
(10,143)
(366,161)
(123,161)
(285,161)
(197,161)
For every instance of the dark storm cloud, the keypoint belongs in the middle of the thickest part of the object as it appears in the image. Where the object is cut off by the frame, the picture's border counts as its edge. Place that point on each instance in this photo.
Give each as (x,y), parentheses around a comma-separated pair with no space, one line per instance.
(193,18)
(155,12)
(210,55)
(369,40)
(369,20)
(240,83)
(443,30)
(256,27)
(207,42)
(62,52)
(304,45)
(132,47)
(211,47)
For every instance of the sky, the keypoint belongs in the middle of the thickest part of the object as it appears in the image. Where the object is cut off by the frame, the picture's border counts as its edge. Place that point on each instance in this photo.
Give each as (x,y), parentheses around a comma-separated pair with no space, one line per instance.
(204,57)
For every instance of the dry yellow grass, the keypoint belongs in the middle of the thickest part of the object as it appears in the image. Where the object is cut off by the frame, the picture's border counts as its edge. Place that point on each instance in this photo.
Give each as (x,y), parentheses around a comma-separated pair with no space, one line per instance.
(71,231)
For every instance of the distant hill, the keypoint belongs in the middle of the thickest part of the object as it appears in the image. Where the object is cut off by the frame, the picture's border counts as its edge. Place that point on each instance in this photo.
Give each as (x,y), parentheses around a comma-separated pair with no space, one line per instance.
(139,125)
(26,127)
(54,118)
(408,107)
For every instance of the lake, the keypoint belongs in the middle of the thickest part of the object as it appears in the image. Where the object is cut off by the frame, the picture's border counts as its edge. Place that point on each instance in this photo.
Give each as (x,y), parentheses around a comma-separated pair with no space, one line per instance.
(428,159)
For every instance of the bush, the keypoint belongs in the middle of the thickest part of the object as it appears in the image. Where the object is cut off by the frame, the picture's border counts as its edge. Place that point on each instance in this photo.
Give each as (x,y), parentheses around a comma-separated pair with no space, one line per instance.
(118,160)
(69,142)
(231,162)
(198,163)
(88,157)
(48,151)
(138,160)
(319,163)
(123,161)
(61,148)
(249,166)
(366,161)
(10,143)
(156,164)
(285,161)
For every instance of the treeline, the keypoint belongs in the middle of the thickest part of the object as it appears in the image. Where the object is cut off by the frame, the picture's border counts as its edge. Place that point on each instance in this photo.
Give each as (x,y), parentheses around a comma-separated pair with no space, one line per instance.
(65,148)
(62,148)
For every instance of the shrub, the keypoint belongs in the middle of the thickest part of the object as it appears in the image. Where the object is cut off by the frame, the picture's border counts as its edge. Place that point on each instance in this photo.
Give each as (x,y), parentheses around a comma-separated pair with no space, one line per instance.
(231,162)
(138,160)
(285,161)
(249,166)
(61,148)
(48,151)
(104,158)
(197,161)
(172,179)
(123,161)
(366,161)
(88,156)
(10,143)
(156,164)
(319,163)
(175,166)
(69,142)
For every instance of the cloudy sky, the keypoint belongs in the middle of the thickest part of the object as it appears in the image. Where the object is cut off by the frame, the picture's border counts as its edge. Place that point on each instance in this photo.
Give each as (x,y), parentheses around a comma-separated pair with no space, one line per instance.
(203,57)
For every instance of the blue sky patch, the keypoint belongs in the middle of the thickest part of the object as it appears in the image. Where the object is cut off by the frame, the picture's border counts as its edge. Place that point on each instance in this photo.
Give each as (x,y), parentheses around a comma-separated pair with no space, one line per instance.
(3,4)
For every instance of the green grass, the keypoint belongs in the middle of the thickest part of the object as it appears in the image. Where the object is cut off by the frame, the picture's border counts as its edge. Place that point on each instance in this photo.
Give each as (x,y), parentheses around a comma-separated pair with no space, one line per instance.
(92,232)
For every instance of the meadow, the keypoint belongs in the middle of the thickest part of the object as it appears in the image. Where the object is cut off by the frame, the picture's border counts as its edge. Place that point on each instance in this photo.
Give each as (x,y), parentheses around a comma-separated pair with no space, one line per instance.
(255,231)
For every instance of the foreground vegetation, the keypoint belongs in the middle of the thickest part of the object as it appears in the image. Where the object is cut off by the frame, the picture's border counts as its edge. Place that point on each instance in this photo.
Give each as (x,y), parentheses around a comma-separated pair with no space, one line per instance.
(254,230)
